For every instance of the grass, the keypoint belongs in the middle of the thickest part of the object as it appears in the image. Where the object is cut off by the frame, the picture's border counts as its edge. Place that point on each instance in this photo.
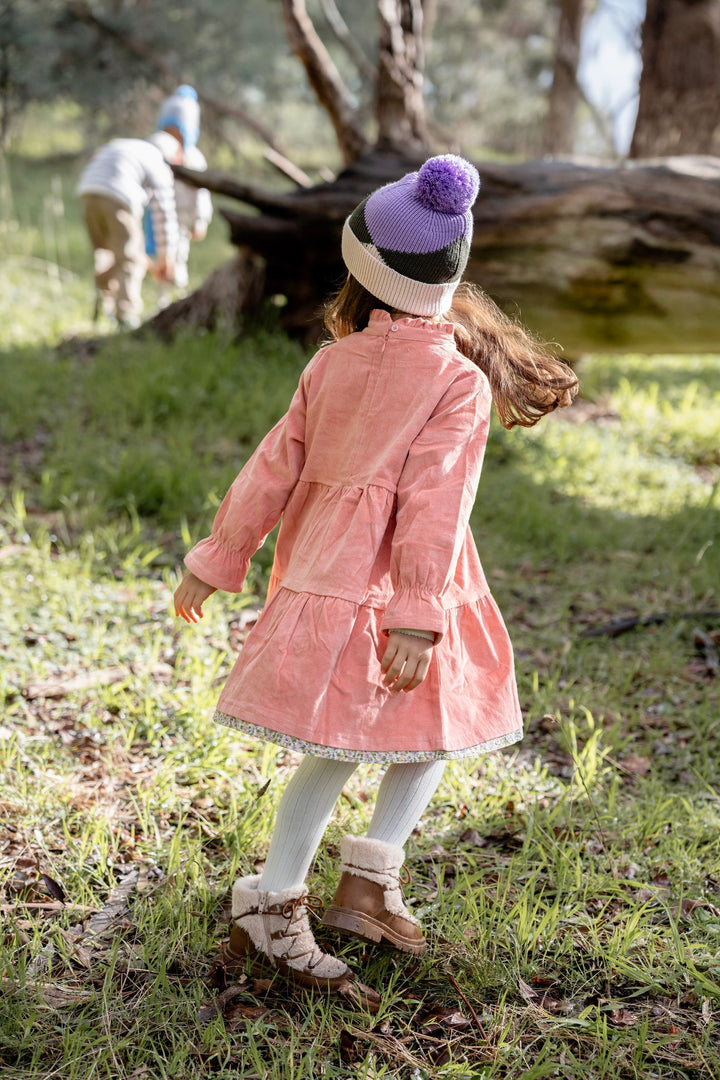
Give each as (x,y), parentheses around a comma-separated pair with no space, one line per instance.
(570,886)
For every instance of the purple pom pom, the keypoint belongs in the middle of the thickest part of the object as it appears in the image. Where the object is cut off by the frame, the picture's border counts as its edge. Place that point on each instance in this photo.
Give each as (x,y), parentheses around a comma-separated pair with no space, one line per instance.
(448,184)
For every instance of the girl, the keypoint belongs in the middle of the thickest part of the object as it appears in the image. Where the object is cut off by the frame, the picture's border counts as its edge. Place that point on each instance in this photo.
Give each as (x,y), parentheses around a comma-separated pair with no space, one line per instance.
(380,641)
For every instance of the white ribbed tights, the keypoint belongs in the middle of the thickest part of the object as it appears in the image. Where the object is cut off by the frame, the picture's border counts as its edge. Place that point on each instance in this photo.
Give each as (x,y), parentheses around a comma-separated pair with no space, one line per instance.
(308,801)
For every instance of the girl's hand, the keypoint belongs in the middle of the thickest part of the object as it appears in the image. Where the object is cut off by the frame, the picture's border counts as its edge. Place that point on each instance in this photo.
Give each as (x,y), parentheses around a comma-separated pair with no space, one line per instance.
(190,596)
(406,661)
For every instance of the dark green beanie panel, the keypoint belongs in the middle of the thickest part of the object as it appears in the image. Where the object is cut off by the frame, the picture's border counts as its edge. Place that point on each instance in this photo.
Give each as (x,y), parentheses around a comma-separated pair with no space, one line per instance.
(357,224)
(446,264)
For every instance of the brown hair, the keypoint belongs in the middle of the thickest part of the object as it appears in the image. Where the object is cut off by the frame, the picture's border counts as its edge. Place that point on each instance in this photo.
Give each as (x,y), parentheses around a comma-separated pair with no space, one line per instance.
(526,379)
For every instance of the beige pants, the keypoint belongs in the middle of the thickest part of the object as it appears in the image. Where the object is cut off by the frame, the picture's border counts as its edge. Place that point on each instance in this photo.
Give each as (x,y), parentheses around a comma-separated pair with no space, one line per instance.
(119,248)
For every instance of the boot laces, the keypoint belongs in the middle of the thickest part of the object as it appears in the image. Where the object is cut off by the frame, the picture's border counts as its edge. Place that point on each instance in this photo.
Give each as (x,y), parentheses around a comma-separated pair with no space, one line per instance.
(296,911)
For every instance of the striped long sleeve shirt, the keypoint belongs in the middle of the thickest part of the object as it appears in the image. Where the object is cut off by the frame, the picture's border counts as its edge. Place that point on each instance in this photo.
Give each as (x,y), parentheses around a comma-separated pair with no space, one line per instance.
(133,172)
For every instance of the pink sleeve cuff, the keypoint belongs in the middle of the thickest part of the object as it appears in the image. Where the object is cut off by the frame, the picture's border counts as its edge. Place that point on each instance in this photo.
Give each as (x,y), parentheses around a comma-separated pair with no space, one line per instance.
(218,565)
(416,610)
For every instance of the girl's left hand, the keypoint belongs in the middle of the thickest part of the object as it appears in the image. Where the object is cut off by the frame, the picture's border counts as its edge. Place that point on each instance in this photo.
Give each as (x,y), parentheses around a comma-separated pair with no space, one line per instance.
(190,596)
(406,661)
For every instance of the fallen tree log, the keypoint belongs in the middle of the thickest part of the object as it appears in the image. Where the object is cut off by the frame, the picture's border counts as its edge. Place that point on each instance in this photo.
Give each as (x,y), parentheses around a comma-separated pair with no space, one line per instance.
(595,257)
(219,303)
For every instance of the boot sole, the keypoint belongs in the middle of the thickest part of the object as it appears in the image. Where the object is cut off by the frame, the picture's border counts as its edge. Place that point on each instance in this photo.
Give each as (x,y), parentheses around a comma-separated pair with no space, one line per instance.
(359,925)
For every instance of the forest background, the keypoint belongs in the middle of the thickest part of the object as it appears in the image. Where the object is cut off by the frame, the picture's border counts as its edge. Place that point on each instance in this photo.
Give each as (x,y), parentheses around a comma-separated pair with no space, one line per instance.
(489,69)
(570,886)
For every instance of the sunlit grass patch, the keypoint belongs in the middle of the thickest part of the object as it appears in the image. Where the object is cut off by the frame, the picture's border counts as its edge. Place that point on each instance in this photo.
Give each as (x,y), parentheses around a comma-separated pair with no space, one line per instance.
(668,405)
(686,427)
(608,470)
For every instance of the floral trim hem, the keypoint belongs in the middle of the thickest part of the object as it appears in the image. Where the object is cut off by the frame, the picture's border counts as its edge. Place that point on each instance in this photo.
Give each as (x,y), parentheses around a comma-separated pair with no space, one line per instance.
(337,753)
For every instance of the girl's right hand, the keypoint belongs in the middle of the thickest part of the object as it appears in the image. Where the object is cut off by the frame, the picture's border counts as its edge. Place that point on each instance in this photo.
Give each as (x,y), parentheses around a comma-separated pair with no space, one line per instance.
(190,596)
(406,661)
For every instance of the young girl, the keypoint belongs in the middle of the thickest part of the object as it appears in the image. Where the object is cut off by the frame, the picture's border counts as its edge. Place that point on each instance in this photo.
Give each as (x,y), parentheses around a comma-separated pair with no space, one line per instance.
(380,641)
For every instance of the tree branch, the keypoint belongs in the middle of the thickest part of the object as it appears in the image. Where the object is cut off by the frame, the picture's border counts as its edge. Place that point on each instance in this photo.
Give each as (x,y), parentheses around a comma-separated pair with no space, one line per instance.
(220,184)
(169,78)
(287,168)
(325,79)
(342,32)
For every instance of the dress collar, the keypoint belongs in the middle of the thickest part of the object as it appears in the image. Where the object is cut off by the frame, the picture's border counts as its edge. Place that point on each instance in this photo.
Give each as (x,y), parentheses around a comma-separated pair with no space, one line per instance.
(381,322)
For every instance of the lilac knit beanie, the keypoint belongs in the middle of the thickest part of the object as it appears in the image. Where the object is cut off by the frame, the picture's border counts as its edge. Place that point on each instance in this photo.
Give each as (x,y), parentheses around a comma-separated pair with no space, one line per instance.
(408,243)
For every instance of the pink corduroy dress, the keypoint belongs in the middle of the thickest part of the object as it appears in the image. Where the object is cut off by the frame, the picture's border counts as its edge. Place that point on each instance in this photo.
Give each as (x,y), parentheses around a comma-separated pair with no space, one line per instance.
(373,471)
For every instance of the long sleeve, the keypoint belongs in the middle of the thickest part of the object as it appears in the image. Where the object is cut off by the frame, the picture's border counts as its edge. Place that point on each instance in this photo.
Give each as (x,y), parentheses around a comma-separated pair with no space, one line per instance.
(203,208)
(202,202)
(163,213)
(436,493)
(255,501)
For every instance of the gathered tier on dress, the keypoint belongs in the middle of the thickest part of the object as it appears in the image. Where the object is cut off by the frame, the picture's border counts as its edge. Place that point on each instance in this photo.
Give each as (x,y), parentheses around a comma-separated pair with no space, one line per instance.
(373,472)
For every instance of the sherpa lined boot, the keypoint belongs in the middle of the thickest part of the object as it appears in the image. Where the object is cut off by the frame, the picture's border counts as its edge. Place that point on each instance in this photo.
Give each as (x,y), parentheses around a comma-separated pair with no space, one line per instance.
(369,903)
(274,930)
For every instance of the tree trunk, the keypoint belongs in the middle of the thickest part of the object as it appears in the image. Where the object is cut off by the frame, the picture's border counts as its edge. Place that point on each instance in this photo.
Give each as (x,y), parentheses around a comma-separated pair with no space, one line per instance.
(231,291)
(399,102)
(595,258)
(679,110)
(325,79)
(400,105)
(559,133)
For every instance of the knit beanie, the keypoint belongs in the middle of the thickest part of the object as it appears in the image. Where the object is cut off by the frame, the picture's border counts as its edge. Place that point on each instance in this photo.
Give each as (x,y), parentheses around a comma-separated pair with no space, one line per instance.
(181,110)
(408,243)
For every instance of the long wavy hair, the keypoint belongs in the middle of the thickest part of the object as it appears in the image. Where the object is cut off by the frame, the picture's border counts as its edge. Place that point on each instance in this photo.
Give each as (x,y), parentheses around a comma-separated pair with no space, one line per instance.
(526,379)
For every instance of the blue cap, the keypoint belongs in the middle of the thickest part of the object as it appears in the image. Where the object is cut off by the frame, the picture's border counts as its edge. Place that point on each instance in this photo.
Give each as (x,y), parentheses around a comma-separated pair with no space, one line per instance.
(181,111)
